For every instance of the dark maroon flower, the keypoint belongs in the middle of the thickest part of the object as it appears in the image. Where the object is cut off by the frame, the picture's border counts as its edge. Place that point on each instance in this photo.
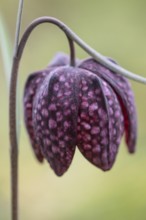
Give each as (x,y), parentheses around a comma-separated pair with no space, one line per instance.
(85,106)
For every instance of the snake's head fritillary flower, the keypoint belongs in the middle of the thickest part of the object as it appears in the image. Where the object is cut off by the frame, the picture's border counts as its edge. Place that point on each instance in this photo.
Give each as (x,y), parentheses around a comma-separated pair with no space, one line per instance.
(68,106)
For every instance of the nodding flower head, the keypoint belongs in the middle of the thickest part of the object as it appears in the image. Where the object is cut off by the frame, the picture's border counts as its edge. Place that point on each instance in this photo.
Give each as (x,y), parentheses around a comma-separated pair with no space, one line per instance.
(87,106)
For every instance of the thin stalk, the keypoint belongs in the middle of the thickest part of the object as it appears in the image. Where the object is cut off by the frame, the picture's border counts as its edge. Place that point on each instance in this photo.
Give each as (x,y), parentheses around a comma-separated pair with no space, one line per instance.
(13,141)
(97,56)
(14,122)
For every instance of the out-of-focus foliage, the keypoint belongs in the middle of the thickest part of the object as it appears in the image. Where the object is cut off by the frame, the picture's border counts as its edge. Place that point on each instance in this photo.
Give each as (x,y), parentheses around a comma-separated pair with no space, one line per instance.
(116,29)
(5,49)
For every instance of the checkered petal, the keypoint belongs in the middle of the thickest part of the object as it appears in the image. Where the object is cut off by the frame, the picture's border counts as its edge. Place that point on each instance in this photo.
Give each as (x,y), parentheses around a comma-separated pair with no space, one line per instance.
(55,118)
(100,121)
(122,88)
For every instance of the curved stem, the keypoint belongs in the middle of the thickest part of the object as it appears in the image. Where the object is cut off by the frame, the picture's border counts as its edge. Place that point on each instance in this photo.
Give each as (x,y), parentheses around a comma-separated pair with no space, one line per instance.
(39,21)
(97,56)
(13,122)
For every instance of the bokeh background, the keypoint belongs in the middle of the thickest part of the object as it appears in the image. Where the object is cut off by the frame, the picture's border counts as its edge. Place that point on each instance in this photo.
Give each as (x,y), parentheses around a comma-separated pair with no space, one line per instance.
(116,29)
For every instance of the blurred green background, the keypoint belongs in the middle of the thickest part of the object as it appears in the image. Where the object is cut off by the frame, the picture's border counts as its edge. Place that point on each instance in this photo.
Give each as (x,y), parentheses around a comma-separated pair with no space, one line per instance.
(116,29)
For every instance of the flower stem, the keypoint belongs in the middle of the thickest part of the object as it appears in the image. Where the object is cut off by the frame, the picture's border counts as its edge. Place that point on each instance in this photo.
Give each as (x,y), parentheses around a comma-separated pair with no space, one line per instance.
(97,56)
(13,121)
(13,141)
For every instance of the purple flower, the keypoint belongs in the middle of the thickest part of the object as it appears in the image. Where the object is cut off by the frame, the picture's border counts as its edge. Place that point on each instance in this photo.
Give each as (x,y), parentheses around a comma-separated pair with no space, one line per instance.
(87,106)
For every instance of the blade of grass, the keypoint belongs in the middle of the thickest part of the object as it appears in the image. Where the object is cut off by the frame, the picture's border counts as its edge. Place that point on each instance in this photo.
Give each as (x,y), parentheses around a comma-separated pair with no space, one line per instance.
(6,49)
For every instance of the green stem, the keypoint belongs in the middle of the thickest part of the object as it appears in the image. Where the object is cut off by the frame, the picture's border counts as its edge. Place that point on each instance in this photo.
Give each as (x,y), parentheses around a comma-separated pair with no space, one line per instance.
(13,141)
(14,122)
(97,56)
(18,26)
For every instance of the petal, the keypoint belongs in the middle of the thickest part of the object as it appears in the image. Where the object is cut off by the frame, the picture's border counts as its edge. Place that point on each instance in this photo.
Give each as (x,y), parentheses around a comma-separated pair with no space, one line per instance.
(31,86)
(100,121)
(55,118)
(122,88)
(29,93)
(60,59)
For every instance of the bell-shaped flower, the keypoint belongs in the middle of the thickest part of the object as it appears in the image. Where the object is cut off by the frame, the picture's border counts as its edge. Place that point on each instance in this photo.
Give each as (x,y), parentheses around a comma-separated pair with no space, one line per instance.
(86,106)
